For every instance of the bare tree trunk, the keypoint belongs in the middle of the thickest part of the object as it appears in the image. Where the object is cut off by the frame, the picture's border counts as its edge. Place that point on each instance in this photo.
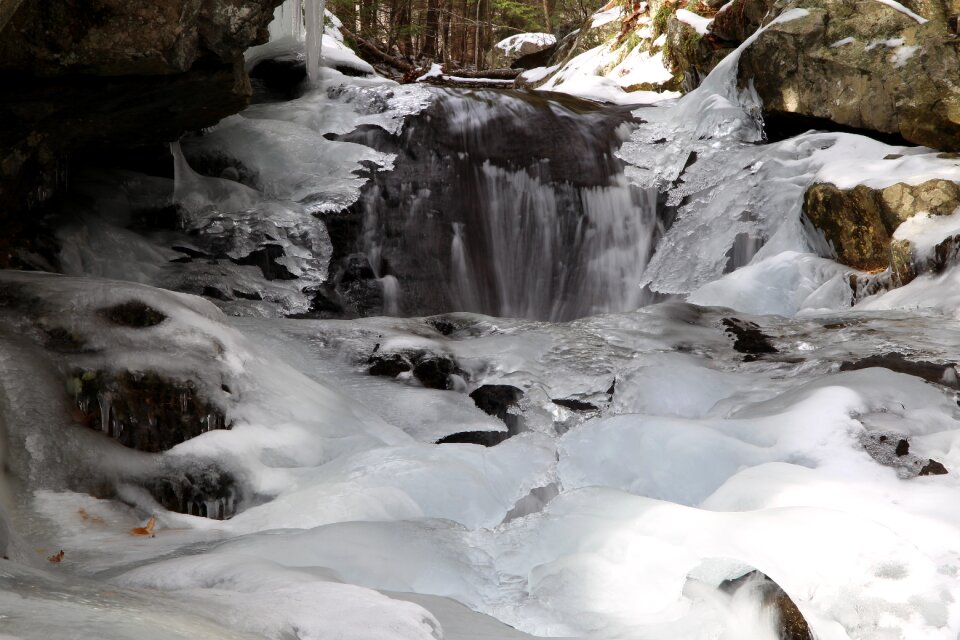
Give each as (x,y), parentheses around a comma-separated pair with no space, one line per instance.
(431,30)
(476,40)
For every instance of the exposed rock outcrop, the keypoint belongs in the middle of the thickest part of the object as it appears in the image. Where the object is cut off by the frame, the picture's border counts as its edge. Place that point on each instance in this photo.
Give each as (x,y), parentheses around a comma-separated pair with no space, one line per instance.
(104,74)
(522,49)
(143,410)
(855,63)
(858,225)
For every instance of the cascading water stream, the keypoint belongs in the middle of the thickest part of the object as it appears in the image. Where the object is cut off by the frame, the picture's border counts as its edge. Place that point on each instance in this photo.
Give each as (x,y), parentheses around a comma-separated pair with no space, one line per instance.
(480,216)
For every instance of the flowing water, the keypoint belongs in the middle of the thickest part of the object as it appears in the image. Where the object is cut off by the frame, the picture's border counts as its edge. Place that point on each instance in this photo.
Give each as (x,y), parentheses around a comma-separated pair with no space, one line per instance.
(512,205)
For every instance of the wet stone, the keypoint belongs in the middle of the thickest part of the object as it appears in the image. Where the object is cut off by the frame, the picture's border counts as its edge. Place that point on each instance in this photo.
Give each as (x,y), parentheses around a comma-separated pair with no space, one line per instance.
(497,400)
(483,438)
(791,625)
(142,410)
(748,339)
(207,492)
(434,371)
(63,340)
(388,365)
(134,314)
(943,374)
(574,405)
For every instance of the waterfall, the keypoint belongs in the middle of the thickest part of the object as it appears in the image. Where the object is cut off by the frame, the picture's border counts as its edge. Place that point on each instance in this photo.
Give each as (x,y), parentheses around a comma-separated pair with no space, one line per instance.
(539,250)
(485,213)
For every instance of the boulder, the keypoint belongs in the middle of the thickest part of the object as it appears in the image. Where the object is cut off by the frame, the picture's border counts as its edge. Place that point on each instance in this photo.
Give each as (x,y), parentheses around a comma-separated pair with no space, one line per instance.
(859,64)
(936,373)
(790,623)
(738,20)
(857,225)
(851,223)
(102,74)
(501,401)
(748,339)
(511,50)
(145,411)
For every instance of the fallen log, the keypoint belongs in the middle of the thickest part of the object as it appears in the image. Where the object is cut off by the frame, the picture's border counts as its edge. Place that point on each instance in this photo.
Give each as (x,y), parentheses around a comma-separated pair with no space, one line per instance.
(488,74)
(373,51)
(468,83)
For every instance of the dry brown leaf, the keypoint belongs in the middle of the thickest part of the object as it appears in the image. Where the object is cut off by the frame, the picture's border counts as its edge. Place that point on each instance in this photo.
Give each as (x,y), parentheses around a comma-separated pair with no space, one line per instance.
(57,557)
(87,517)
(145,530)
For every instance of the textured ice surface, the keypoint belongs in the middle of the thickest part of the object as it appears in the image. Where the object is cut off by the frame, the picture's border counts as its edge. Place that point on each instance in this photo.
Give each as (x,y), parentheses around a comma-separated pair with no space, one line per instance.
(692,463)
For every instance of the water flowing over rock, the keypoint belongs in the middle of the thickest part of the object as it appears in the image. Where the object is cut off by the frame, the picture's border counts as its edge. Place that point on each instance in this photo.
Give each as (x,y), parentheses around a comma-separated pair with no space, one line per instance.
(484,212)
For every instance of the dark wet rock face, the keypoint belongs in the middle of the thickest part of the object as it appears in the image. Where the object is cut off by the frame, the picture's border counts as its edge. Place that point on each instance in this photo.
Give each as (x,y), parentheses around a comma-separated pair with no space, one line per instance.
(205,491)
(575,405)
(432,222)
(134,314)
(483,438)
(143,411)
(90,75)
(432,370)
(943,374)
(791,625)
(277,79)
(748,339)
(501,401)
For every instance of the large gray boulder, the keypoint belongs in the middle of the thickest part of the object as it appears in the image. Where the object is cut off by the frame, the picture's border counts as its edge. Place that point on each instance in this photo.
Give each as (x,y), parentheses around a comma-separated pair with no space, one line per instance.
(857,63)
(80,74)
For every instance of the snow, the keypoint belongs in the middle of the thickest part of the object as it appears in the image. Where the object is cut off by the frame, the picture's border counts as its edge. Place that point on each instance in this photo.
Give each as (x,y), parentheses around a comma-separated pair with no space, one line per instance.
(580,77)
(435,71)
(700,467)
(932,293)
(700,24)
(606,16)
(903,54)
(843,42)
(925,231)
(896,6)
(538,74)
(687,464)
(514,44)
(608,72)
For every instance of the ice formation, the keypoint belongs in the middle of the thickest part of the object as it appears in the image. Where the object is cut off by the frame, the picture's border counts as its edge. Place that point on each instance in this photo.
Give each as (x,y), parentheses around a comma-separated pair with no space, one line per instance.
(667,453)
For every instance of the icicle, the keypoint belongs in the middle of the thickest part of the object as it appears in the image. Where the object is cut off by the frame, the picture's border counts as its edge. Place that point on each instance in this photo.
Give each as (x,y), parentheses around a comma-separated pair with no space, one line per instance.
(313,16)
(104,400)
(287,21)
